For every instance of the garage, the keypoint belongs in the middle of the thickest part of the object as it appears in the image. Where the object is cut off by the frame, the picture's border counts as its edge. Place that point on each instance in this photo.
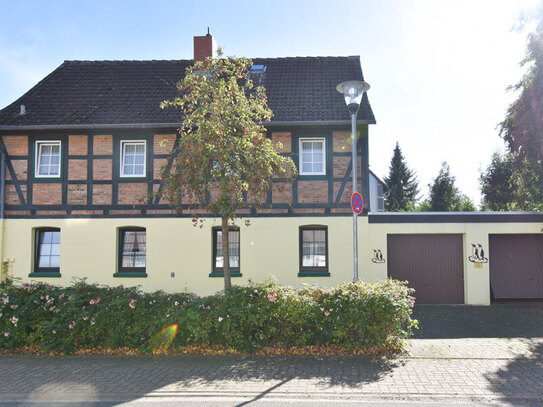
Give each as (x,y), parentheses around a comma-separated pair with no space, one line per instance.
(516,266)
(432,263)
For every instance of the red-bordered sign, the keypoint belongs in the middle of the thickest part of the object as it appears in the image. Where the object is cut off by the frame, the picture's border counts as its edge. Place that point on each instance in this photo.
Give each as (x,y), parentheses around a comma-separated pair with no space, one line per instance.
(357,203)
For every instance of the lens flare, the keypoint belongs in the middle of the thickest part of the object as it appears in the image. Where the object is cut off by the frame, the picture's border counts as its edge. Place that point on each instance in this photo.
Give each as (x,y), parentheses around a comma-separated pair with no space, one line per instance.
(164,338)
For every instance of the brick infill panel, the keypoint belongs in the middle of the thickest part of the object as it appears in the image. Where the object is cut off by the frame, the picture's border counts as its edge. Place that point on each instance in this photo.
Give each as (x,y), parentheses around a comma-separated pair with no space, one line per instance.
(125,212)
(77,169)
(284,138)
(77,194)
(47,194)
(313,191)
(103,145)
(78,145)
(16,145)
(169,140)
(102,169)
(101,194)
(21,170)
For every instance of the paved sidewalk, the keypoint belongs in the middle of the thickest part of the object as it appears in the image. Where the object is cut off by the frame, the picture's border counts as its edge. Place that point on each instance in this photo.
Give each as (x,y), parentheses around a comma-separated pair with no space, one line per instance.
(433,371)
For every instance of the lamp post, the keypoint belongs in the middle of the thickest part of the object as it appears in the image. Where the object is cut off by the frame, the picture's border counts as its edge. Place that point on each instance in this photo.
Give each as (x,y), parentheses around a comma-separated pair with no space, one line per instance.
(353,92)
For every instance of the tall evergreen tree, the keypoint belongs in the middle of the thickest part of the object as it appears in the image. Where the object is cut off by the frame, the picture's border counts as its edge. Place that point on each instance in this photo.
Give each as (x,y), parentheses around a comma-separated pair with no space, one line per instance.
(522,131)
(496,184)
(401,183)
(445,197)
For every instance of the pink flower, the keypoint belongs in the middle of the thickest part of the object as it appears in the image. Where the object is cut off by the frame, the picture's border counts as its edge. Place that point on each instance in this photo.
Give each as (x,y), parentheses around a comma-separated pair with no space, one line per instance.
(132,303)
(272,298)
(326,313)
(14,320)
(85,318)
(397,294)
(71,326)
(404,292)
(93,302)
(256,291)
(184,303)
(6,334)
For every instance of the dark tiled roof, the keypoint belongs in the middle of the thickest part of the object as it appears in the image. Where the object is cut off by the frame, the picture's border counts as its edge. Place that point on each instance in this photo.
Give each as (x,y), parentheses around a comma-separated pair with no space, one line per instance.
(129,92)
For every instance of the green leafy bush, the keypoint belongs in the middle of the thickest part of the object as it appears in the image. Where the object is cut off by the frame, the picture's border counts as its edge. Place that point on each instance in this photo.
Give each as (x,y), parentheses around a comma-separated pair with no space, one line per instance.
(86,316)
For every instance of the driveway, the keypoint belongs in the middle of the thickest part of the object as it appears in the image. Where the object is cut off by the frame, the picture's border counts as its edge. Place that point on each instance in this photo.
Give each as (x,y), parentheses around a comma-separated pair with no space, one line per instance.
(502,320)
(478,369)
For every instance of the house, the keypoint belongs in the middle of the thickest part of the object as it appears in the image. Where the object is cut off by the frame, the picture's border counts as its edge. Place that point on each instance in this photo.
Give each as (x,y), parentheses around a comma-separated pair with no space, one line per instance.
(80,146)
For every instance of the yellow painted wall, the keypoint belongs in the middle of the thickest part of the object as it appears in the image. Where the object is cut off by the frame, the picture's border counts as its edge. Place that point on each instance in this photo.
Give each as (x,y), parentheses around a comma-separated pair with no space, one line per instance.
(269,247)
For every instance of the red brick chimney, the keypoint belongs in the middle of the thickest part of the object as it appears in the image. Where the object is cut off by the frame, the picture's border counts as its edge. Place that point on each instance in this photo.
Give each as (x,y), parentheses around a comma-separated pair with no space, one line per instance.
(204,46)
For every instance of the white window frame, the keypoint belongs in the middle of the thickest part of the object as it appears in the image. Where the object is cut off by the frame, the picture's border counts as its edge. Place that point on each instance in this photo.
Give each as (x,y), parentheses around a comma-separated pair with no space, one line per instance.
(300,152)
(133,142)
(37,153)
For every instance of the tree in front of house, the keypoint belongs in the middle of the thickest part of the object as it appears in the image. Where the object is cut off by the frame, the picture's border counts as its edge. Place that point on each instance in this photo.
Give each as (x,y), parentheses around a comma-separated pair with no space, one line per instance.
(444,196)
(401,183)
(223,160)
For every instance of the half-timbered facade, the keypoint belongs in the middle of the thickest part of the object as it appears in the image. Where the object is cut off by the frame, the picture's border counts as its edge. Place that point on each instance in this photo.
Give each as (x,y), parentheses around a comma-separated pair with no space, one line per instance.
(81,154)
(83,151)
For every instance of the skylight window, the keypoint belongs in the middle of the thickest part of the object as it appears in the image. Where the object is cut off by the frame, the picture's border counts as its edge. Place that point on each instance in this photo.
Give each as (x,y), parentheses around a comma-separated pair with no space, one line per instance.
(258,69)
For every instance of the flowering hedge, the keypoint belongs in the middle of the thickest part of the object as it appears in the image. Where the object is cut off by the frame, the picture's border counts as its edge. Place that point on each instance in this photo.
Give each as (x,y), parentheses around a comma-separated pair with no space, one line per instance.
(85,316)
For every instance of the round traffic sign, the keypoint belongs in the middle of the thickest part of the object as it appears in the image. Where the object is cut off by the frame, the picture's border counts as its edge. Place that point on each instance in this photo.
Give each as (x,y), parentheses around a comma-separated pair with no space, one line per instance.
(357,203)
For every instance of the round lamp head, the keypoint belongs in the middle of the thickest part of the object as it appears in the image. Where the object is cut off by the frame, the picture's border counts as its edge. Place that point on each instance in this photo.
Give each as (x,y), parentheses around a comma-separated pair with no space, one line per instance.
(352,92)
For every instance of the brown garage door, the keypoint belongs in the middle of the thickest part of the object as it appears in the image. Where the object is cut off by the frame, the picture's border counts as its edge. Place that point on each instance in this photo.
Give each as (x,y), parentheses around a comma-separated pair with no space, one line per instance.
(431,263)
(516,266)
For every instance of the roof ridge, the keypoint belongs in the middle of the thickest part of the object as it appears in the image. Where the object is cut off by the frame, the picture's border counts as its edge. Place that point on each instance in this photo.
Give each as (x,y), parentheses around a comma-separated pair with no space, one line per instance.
(92,61)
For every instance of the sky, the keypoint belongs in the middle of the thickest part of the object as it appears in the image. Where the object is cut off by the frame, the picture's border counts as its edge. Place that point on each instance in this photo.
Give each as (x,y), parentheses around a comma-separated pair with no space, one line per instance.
(438,69)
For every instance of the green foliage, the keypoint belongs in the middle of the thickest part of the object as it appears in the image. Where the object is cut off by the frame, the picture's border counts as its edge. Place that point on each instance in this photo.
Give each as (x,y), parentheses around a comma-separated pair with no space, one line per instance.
(87,316)
(401,183)
(522,131)
(495,181)
(510,185)
(445,197)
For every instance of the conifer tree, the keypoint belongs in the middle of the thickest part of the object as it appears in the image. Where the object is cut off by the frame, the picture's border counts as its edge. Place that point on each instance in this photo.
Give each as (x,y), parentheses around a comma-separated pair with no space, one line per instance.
(445,197)
(401,183)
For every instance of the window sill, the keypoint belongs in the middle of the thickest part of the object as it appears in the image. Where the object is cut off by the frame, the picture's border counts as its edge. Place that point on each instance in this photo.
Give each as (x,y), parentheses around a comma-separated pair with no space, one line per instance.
(221,274)
(314,274)
(44,274)
(132,177)
(321,177)
(130,275)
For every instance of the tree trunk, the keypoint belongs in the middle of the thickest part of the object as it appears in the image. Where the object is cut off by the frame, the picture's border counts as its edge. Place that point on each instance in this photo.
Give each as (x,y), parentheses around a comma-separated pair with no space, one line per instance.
(226,253)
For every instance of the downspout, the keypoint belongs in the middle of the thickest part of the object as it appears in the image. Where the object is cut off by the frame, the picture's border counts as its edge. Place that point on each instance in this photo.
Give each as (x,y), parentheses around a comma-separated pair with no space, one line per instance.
(2,207)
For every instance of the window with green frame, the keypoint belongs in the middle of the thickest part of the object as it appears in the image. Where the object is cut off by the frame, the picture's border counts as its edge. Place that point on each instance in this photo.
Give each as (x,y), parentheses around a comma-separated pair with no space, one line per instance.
(313,251)
(132,252)
(46,252)
(233,252)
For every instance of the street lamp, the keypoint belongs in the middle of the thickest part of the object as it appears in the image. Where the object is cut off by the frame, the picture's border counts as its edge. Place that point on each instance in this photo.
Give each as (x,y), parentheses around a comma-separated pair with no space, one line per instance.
(353,92)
